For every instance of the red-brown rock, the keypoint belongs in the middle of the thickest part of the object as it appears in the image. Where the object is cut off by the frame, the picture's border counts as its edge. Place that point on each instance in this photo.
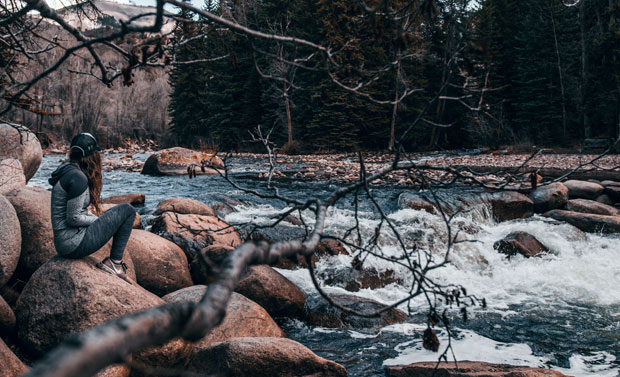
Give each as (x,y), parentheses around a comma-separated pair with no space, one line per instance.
(583,189)
(586,221)
(195,232)
(263,357)
(510,205)
(203,273)
(244,317)
(175,161)
(32,205)
(20,143)
(520,243)
(161,266)
(590,206)
(552,196)
(271,290)
(7,318)
(66,296)
(135,199)
(184,206)
(10,240)
(10,365)
(11,175)
(467,369)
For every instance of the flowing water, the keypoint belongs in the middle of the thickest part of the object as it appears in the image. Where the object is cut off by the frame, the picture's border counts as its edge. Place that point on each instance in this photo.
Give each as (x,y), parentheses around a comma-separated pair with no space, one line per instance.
(560,311)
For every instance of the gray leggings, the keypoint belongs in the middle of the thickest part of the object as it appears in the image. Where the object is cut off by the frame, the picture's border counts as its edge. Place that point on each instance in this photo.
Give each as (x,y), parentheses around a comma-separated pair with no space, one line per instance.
(116,222)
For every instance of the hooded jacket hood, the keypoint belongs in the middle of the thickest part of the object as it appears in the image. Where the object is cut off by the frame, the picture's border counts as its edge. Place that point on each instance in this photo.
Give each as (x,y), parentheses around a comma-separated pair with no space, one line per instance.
(60,171)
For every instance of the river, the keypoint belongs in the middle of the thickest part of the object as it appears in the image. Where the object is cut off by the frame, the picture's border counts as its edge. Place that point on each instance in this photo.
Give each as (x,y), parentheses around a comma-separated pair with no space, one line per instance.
(560,311)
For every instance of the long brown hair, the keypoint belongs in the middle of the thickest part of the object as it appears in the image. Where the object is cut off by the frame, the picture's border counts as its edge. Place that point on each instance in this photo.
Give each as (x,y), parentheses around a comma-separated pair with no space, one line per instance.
(91,167)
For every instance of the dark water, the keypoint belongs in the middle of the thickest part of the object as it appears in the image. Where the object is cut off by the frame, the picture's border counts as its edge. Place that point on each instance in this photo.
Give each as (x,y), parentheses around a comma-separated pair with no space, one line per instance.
(562,311)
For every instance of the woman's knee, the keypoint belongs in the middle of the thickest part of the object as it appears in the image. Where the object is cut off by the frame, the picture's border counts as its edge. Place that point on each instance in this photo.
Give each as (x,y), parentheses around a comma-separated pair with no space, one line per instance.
(127,209)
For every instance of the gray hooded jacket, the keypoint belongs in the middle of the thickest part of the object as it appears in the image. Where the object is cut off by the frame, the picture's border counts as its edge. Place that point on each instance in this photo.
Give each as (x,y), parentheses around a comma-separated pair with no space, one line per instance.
(70,200)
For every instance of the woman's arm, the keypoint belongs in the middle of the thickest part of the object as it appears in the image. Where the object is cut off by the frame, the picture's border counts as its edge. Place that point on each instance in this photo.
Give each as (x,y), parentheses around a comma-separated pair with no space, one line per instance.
(76,215)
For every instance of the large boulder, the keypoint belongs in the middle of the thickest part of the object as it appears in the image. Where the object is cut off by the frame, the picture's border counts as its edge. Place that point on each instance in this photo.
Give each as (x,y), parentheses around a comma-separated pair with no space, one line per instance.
(583,189)
(11,366)
(161,266)
(213,255)
(10,240)
(195,232)
(7,318)
(613,192)
(11,175)
(467,369)
(32,205)
(244,317)
(20,143)
(319,312)
(271,290)
(175,161)
(67,296)
(135,199)
(552,196)
(520,243)
(586,221)
(591,206)
(263,357)
(184,206)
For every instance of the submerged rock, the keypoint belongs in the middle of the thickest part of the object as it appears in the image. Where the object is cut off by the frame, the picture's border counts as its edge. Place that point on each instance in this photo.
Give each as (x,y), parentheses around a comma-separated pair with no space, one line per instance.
(467,369)
(20,143)
(586,221)
(244,317)
(583,189)
(10,240)
(274,292)
(552,196)
(175,161)
(520,243)
(319,312)
(359,277)
(263,357)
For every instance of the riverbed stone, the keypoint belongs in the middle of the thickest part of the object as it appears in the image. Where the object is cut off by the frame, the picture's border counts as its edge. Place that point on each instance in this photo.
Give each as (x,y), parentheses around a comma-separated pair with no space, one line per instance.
(20,143)
(135,199)
(520,243)
(416,202)
(11,365)
(184,206)
(605,199)
(263,357)
(587,222)
(613,191)
(66,296)
(358,277)
(510,205)
(591,206)
(319,312)
(552,196)
(195,232)
(10,240)
(32,205)
(467,369)
(271,290)
(161,266)
(175,161)
(11,175)
(583,189)
(203,265)
(7,318)
(244,317)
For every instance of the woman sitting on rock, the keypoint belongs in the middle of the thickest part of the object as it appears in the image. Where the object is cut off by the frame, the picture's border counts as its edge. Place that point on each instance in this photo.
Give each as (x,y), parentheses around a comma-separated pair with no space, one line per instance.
(77,233)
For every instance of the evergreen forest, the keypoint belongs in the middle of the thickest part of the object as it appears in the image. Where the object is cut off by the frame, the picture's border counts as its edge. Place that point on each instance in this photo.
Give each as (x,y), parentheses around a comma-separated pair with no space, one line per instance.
(464,73)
